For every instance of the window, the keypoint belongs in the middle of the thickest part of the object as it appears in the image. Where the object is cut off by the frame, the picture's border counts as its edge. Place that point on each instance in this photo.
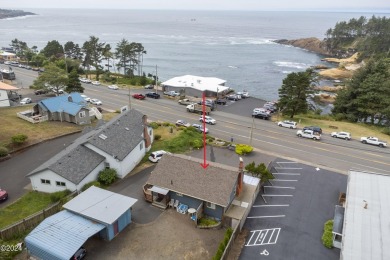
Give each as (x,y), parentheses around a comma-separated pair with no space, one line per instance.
(150,132)
(60,183)
(210,205)
(43,181)
(82,114)
(141,146)
(179,194)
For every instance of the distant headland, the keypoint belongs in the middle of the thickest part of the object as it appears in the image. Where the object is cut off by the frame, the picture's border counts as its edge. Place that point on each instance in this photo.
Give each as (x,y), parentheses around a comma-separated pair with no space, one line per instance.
(4,13)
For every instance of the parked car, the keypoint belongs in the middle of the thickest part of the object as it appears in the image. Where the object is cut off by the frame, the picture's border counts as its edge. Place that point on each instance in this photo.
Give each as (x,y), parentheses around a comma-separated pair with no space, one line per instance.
(25,101)
(270,107)
(209,103)
(172,93)
(153,95)
(182,123)
(115,87)
(342,135)
(221,101)
(96,101)
(3,195)
(80,254)
(200,128)
(139,96)
(309,134)
(149,86)
(208,120)
(288,124)
(373,141)
(261,114)
(156,156)
(232,97)
(313,128)
(86,98)
(96,83)
(261,110)
(243,94)
(40,91)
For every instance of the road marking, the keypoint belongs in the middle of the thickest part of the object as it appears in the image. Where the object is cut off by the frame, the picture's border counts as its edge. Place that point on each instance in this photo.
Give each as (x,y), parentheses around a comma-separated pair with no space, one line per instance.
(282,180)
(267,195)
(283,205)
(275,216)
(285,173)
(288,168)
(265,252)
(264,237)
(280,187)
(286,162)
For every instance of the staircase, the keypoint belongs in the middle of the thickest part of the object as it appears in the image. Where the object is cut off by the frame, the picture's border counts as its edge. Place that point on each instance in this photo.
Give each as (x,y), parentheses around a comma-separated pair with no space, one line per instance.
(95,112)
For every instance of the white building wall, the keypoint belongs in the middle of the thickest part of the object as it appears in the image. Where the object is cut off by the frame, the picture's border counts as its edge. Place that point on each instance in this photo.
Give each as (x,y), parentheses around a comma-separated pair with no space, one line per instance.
(4,101)
(54,177)
(129,162)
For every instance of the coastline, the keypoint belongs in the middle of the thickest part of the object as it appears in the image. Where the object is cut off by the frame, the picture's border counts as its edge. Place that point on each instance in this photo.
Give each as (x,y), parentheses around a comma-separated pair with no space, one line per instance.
(6,13)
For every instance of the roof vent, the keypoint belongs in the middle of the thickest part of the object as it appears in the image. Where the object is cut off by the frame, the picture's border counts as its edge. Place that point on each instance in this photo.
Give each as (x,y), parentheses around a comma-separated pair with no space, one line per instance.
(127,128)
(103,136)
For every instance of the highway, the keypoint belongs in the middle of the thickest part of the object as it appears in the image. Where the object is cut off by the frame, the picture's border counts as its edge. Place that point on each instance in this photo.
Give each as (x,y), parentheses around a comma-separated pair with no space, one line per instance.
(329,153)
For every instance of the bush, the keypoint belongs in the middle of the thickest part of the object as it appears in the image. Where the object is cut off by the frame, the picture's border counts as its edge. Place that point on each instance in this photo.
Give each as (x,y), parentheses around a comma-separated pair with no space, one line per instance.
(166,124)
(89,184)
(386,131)
(3,151)
(19,139)
(197,143)
(157,137)
(223,244)
(107,176)
(154,125)
(57,196)
(243,149)
(327,237)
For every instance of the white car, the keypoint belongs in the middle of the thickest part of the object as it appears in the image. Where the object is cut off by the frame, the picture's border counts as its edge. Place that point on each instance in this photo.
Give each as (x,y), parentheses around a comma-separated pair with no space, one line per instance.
(156,156)
(208,120)
(86,98)
(261,110)
(96,83)
(309,134)
(200,128)
(342,135)
(288,124)
(115,87)
(25,101)
(96,101)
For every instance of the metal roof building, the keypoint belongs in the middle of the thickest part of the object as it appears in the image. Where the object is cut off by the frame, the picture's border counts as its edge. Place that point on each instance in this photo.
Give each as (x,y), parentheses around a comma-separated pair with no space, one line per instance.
(61,235)
(366,231)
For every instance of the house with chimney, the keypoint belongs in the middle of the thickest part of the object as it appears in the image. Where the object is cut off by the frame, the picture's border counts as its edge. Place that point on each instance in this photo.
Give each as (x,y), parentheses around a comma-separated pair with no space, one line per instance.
(217,191)
(119,144)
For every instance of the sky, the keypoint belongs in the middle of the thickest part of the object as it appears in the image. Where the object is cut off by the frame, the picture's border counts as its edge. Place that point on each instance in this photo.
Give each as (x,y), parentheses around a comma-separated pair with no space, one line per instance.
(261,5)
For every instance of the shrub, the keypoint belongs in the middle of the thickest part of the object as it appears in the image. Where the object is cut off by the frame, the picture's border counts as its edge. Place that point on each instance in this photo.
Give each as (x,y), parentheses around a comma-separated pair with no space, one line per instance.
(107,176)
(166,124)
(243,149)
(386,131)
(157,137)
(154,125)
(197,143)
(3,151)
(327,237)
(223,244)
(57,196)
(89,184)
(19,139)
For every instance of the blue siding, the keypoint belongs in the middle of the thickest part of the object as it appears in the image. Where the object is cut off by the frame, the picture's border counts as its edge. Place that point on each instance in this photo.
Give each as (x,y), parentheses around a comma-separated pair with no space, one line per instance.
(215,213)
(233,194)
(190,202)
(123,221)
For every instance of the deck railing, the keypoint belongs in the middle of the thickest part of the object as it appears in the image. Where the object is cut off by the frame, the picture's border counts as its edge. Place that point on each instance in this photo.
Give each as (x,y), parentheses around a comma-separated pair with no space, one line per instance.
(32,119)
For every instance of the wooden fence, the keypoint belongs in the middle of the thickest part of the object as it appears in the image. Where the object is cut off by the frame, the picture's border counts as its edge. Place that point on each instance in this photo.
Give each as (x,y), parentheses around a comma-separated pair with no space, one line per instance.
(34,119)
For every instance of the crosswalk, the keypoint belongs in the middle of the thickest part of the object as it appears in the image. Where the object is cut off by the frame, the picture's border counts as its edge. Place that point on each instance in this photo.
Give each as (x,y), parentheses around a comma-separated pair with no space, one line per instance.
(263,237)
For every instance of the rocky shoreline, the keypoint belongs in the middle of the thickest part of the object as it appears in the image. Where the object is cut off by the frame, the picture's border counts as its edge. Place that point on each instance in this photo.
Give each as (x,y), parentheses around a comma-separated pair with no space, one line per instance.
(4,13)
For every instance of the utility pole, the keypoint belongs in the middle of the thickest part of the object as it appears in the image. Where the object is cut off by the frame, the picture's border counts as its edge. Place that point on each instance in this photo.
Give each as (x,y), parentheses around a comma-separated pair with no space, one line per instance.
(156,79)
(129,99)
(253,123)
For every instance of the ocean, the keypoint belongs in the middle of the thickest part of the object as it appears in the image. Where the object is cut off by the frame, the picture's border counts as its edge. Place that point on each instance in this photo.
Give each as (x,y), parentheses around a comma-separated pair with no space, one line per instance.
(232,45)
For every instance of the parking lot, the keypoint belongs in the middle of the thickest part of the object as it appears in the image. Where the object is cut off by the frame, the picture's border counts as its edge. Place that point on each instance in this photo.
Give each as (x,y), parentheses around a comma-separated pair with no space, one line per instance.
(287,218)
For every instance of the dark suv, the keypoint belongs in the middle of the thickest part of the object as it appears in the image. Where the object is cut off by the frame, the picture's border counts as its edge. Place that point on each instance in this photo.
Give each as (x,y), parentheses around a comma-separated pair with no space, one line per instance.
(313,128)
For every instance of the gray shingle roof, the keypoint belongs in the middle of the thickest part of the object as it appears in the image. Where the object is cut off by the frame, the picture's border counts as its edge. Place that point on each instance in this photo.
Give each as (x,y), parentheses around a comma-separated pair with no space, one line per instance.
(184,174)
(123,134)
(76,161)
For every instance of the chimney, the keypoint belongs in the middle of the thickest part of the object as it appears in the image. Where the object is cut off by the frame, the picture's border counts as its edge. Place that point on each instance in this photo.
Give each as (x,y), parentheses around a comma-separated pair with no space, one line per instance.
(147,137)
(70,98)
(240,178)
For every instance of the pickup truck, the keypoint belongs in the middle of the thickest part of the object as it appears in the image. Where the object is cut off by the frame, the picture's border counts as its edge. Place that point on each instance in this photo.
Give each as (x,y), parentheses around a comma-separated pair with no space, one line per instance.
(309,134)
(172,93)
(185,101)
(196,108)
(373,140)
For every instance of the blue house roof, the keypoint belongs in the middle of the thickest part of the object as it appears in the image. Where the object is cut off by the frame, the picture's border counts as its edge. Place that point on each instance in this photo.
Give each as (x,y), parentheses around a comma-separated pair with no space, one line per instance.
(61,235)
(70,104)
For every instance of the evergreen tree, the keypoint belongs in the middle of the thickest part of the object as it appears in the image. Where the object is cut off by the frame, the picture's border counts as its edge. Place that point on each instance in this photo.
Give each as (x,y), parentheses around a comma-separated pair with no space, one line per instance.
(74,84)
(293,93)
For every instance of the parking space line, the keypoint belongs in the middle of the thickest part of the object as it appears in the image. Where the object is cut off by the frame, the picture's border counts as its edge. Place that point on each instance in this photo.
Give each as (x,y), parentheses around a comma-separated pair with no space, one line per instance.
(266,195)
(282,180)
(285,173)
(287,168)
(279,187)
(283,205)
(264,237)
(275,216)
(286,162)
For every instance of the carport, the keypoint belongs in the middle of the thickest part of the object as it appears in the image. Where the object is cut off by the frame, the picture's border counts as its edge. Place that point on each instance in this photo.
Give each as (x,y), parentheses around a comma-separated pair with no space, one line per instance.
(60,236)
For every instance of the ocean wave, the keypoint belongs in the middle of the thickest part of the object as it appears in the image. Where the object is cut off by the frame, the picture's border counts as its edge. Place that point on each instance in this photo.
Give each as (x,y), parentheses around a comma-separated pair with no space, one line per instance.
(291,64)
(232,67)
(287,71)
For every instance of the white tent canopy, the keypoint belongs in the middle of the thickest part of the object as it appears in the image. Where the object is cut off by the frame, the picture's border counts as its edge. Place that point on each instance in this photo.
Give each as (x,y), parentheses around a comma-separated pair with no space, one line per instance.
(199,83)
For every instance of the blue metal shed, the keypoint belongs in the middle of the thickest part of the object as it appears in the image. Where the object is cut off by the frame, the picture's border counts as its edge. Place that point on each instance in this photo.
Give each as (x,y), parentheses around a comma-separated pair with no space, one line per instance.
(60,236)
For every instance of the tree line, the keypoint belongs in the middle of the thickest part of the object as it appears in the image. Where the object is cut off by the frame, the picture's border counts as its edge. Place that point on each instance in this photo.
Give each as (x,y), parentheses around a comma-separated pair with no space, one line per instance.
(369,37)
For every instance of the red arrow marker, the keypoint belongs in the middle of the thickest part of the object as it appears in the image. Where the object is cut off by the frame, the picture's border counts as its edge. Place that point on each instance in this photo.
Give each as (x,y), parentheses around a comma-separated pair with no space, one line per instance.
(204,164)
